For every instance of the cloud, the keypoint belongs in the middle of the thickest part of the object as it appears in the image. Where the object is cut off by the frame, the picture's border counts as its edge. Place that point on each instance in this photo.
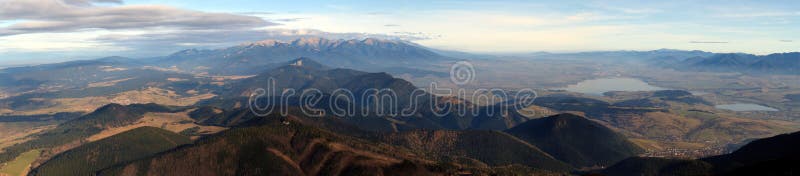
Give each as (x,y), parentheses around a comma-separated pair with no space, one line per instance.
(708,42)
(256,13)
(288,19)
(42,16)
(391,25)
(787,41)
(90,2)
(108,27)
(288,34)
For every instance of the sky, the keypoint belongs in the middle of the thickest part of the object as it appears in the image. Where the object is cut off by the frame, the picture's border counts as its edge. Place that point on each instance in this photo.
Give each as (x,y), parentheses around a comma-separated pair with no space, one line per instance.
(41,31)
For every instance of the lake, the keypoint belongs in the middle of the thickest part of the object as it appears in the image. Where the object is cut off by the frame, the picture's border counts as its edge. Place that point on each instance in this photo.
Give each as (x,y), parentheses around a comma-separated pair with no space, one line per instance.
(603,85)
(745,107)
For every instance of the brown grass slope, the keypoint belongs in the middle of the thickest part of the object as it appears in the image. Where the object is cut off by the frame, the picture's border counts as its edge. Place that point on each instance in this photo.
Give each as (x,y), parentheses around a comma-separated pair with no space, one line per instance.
(493,148)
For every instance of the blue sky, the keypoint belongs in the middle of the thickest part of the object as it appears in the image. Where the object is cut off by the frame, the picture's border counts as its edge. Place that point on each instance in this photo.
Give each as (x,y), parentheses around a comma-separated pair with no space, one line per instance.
(37,31)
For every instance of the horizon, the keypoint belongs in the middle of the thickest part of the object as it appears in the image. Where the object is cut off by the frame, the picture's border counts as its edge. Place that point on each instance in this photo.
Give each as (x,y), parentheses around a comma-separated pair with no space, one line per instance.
(496,54)
(80,29)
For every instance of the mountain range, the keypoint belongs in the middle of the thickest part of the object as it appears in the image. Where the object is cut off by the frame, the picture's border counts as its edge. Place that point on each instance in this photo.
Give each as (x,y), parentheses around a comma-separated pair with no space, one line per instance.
(297,144)
(780,63)
(367,54)
(622,56)
(195,74)
(323,145)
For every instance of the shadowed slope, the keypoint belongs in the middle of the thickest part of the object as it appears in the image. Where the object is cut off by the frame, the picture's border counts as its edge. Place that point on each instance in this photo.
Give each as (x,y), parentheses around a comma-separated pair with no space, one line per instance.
(576,140)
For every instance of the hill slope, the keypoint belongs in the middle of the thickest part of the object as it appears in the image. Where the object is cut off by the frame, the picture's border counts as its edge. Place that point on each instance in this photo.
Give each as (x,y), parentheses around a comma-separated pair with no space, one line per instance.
(278,149)
(756,154)
(74,132)
(636,166)
(778,155)
(491,147)
(576,140)
(128,146)
(312,76)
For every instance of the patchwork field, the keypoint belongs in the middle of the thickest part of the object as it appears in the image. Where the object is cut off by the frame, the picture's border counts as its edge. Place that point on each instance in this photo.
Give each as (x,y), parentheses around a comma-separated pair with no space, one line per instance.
(175,122)
(17,132)
(88,104)
(21,165)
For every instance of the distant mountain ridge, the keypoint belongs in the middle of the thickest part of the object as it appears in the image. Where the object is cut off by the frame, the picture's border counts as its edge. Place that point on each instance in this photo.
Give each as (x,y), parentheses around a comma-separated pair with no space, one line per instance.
(367,54)
(624,55)
(781,63)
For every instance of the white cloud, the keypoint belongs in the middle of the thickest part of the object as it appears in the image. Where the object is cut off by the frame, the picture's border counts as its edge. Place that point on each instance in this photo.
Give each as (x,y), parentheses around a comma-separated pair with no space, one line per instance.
(48,42)
(47,16)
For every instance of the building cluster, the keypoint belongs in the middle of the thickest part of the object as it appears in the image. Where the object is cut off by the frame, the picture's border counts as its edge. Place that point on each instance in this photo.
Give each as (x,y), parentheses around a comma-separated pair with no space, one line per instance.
(684,153)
